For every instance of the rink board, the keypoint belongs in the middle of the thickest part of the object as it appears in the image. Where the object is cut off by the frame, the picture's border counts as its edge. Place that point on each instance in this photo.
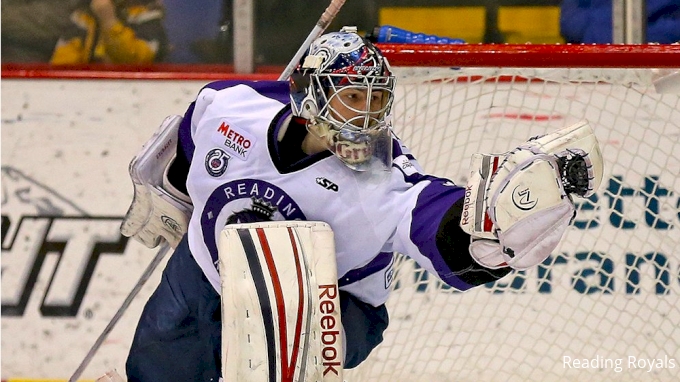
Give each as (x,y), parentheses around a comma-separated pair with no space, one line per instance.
(66,145)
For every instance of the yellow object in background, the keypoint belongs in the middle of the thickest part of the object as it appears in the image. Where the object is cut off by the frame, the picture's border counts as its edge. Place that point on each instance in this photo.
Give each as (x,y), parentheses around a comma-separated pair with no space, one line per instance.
(467,23)
(535,24)
(518,24)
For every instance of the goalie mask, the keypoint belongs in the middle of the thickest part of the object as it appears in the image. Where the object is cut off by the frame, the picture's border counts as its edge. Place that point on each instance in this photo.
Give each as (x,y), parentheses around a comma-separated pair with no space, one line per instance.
(344,88)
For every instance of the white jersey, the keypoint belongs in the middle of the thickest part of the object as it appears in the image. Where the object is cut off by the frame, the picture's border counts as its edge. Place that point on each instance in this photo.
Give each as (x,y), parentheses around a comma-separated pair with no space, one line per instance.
(231,142)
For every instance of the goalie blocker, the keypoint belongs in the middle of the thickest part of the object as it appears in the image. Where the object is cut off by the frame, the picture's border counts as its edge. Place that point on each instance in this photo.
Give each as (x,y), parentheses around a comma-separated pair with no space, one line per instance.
(518,204)
(159,212)
(280,303)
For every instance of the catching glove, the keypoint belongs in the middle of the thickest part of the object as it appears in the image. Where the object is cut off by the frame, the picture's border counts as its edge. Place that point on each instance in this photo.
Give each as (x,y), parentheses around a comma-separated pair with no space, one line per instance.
(518,204)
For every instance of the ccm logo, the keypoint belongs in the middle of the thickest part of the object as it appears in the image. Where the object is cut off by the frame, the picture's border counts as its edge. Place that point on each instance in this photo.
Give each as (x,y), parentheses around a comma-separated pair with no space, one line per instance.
(171,223)
(330,333)
(327,184)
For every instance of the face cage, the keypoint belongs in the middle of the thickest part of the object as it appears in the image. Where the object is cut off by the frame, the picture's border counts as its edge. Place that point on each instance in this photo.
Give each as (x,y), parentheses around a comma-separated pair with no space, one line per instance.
(368,120)
(365,148)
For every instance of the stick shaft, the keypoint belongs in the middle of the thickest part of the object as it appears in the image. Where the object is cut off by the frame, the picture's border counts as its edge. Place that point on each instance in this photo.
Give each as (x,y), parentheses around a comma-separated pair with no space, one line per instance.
(131,296)
(321,25)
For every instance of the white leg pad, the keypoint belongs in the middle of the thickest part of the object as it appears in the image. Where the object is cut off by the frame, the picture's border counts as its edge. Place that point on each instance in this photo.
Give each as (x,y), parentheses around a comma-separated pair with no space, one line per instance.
(280,303)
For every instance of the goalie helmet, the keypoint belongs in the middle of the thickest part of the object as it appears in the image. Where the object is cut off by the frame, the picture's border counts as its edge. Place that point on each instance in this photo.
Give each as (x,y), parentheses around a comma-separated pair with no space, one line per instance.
(344,88)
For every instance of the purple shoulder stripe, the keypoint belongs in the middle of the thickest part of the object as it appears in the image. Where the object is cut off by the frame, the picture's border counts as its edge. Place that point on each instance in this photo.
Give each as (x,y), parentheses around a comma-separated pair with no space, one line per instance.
(278,90)
(397,150)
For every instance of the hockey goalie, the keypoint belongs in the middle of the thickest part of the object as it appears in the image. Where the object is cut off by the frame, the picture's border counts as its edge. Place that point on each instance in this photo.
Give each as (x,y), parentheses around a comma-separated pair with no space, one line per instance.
(285,202)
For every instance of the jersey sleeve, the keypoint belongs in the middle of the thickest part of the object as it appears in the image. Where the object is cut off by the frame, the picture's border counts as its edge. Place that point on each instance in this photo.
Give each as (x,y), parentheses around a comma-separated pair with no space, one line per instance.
(185,143)
(206,96)
(428,229)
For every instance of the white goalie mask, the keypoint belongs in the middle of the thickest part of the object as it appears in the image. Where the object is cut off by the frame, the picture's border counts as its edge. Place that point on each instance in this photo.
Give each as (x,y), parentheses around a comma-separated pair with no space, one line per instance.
(344,88)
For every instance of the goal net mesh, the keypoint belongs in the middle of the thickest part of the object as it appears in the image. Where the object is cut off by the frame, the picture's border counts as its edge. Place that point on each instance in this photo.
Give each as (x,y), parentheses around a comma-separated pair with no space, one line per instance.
(605,305)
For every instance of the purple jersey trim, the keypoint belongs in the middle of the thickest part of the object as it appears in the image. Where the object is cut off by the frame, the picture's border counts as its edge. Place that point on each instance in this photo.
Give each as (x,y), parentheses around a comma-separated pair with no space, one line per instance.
(397,151)
(220,198)
(184,133)
(378,263)
(433,203)
(278,90)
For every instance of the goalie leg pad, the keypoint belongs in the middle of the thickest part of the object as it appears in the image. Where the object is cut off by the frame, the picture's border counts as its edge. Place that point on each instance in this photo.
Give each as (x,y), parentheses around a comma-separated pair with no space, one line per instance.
(280,303)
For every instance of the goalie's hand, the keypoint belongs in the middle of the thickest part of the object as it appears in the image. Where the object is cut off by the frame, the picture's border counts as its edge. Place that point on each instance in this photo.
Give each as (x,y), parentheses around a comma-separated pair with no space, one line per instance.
(518,204)
(158,211)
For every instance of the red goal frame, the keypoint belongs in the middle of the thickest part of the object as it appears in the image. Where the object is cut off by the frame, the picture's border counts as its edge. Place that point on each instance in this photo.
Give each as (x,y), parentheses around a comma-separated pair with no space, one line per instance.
(480,55)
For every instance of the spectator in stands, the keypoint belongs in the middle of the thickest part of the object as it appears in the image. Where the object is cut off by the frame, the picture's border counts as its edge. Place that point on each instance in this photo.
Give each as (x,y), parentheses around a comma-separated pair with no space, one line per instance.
(590,21)
(30,29)
(113,31)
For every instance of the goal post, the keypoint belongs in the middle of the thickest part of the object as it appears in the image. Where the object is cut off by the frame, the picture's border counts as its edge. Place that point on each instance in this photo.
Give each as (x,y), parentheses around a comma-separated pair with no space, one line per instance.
(605,306)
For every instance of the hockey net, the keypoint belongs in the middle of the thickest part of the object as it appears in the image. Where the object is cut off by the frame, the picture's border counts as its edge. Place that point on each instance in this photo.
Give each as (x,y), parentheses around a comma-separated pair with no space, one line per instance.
(606,304)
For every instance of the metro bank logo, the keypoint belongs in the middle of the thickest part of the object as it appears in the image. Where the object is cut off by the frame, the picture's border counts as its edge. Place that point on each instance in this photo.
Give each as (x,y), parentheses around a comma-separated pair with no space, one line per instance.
(237,142)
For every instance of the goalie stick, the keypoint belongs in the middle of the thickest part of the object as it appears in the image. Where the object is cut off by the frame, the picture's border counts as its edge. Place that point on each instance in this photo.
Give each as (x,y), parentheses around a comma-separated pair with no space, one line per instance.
(156,215)
(128,300)
(326,17)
